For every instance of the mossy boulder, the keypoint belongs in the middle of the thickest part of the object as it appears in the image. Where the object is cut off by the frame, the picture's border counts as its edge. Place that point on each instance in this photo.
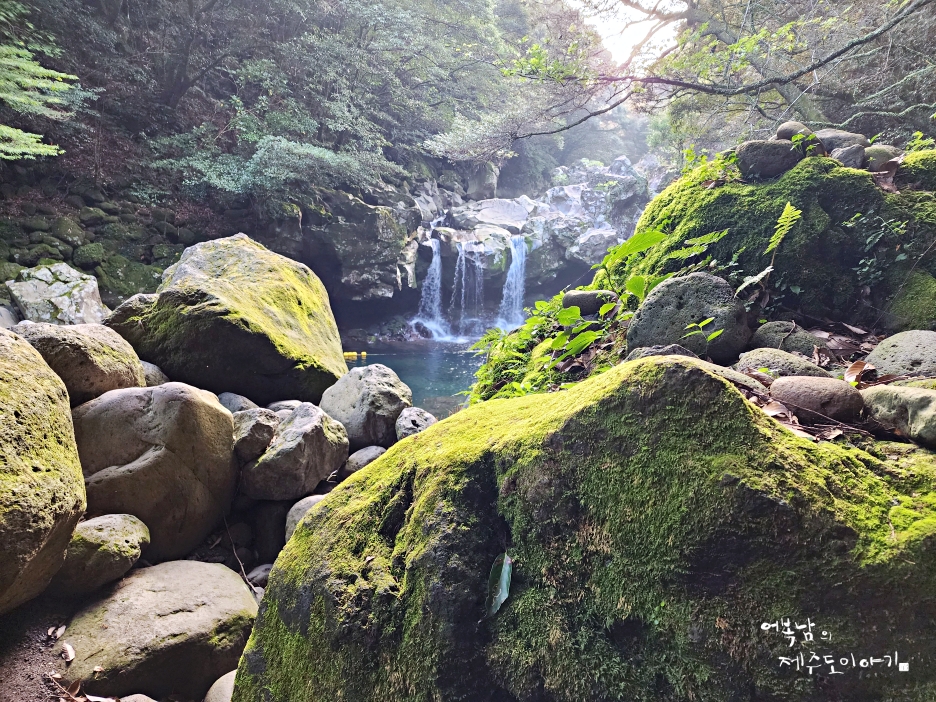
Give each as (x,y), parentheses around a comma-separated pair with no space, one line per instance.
(848,258)
(121,278)
(42,491)
(234,316)
(918,171)
(655,518)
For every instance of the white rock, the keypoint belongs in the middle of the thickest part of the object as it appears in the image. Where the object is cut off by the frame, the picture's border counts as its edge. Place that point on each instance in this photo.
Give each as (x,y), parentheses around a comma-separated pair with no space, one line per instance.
(58,294)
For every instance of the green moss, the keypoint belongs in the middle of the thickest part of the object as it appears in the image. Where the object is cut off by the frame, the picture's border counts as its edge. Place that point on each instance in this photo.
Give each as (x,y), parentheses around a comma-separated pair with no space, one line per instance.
(918,170)
(844,242)
(915,303)
(655,517)
(123,278)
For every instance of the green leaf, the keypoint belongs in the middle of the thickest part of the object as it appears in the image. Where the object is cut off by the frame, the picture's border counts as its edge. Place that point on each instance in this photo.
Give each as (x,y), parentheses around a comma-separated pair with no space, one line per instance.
(637,286)
(606,307)
(559,341)
(704,322)
(714,335)
(753,280)
(498,584)
(638,243)
(568,316)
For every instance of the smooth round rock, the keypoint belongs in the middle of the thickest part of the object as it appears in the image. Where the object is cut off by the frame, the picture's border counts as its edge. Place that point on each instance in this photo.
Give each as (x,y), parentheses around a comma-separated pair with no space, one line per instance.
(236,403)
(589,302)
(786,337)
(833,139)
(788,130)
(153,375)
(877,155)
(909,410)
(368,401)
(668,350)
(359,459)
(413,420)
(817,400)
(287,405)
(89,358)
(767,159)
(298,511)
(668,311)
(223,689)
(779,363)
(907,353)
(101,550)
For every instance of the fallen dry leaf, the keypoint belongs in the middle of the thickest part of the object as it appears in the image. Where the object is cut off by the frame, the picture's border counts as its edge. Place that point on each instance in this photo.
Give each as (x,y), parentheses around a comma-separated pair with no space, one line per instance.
(774,408)
(75,687)
(68,653)
(856,370)
(855,330)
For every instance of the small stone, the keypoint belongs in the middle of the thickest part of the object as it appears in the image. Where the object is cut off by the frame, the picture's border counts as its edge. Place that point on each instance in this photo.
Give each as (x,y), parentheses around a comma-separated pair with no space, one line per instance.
(254,429)
(298,511)
(89,255)
(359,459)
(778,363)
(767,159)
(879,154)
(833,139)
(236,403)
(851,156)
(101,551)
(260,575)
(154,375)
(589,302)
(289,405)
(787,337)
(413,420)
(907,353)
(788,130)
(223,689)
(910,411)
(817,400)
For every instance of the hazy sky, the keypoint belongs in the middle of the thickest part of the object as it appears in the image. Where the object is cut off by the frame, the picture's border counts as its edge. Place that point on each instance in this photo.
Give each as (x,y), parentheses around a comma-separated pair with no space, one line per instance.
(618,39)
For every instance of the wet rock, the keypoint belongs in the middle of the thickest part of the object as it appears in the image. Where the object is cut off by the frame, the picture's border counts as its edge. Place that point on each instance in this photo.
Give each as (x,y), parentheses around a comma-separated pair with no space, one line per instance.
(298,511)
(907,353)
(816,400)
(588,301)
(42,493)
(254,429)
(767,159)
(174,628)
(101,551)
(154,375)
(163,454)
(908,410)
(368,401)
(89,358)
(263,324)
(674,304)
(413,420)
(779,363)
(308,447)
(235,403)
(57,294)
(786,336)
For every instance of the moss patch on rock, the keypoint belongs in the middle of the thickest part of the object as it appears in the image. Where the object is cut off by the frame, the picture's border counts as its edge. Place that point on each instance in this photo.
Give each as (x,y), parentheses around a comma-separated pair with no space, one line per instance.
(656,519)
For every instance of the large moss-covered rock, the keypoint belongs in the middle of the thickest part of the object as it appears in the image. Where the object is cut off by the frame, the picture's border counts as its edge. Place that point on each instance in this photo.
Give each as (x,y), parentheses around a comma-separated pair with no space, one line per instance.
(41,487)
(656,519)
(233,316)
(848,258)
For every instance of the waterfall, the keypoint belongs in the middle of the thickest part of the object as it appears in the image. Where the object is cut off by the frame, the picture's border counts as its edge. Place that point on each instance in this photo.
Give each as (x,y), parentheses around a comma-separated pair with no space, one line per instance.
(430,299)
(468,289)
(510,314)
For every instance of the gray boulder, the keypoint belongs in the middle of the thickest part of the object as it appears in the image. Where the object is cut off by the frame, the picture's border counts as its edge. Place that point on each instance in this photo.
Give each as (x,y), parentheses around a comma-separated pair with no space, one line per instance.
(57,294)
(786,337)
(8,317)
(816,400)
(676,303)
(851,156)
(172,629)
(788,130)
(368,401)
(833,139)
(877,155)
(778,363)
(163,454)
(668,350)
(284,405)
(153,375)
(236,403)
(254,430)
(232,316)
(42,493)
(308,447)
(482,185)
(359,459)
(907,353)
(223,689)
(413,420)
(89,358)
(767,159)
(588,301)
(910,411)
(101,550)
(298,511)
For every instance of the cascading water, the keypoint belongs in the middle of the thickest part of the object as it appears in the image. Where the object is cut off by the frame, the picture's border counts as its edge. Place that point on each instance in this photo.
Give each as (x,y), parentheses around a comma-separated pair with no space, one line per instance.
(510,314)
(468,289)
(430,300)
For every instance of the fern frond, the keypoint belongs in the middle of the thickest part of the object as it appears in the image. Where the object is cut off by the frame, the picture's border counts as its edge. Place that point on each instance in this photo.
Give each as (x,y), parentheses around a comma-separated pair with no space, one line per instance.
(785,224)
